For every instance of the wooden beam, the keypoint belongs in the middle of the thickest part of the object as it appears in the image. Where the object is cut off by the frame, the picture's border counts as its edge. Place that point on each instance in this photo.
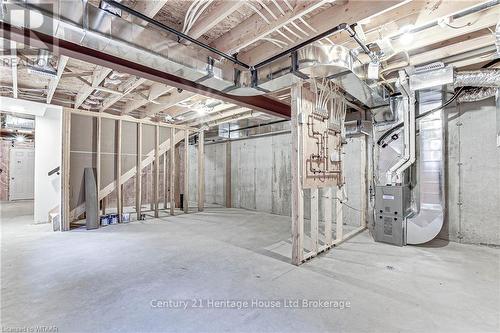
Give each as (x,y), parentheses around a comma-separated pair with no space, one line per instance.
(156,180)
(217,116)
(201,170)
(344,12)
(100,73)
(149,8)
(84,53)
(172,171)
(65,171)
(155,91)
(213,17)
(227,182)
(125,88)
(186,172)
(166,102)
(255,29)
(63,60)
(119,188)
(138,174)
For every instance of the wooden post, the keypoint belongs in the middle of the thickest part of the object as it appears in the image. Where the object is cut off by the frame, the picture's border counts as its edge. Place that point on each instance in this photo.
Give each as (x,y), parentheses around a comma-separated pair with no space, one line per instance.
(339,220)
(98,164)
(138,175)
(201,170)
(119,185)
(364,189)
(327,209)
(229,203)
(296,166)
(156,180)
(186,171)
(172,171)
(165,181)
(65,170)
(314,218)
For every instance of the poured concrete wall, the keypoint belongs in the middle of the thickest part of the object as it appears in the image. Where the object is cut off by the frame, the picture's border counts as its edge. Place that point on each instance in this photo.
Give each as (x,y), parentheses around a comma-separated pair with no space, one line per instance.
(473,174)
(261,176)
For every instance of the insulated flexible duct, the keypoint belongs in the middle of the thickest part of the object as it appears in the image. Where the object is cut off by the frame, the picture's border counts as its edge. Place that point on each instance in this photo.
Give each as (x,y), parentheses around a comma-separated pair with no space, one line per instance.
(478,78)
(477,94)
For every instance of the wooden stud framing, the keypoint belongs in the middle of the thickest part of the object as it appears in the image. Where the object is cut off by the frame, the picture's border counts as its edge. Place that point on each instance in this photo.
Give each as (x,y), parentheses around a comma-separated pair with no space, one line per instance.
(201,170)
(65,170)
(119,185)
(227,182)
(364,191)
(327,209)
(339,219)
(156,180)
(165,181)
(138,175)
(172,171)
(314,219)
(297,191)
(186,171)
(98,162)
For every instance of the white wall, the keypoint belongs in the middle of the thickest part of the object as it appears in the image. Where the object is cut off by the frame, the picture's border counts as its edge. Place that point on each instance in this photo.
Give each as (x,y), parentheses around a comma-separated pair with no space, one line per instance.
(47,157)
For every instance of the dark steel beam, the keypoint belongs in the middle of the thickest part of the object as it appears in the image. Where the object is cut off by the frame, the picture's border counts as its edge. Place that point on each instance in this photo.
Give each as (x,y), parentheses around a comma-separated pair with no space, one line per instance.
(58,46)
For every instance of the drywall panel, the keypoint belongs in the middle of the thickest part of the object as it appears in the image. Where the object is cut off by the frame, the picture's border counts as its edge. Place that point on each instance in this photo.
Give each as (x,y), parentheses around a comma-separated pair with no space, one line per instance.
(82,155)
(47,157)
(108,151)
(129,146)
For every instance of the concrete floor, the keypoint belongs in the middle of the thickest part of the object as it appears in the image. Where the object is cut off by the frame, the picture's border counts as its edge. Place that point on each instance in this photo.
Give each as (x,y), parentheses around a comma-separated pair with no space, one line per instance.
(105,280)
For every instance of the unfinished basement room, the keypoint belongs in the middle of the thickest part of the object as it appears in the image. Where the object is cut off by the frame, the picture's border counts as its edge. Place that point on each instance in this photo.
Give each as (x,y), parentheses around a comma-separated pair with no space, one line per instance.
(250,166)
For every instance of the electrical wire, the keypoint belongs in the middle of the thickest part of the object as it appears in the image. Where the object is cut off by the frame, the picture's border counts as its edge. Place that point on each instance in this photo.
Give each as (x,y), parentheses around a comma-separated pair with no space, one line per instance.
(448,102)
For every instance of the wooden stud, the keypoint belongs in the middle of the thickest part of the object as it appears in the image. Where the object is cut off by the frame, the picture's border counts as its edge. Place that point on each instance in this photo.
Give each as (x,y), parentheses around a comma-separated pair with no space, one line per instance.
(165,181)
(186,171)
(65,170)
(201,170)
(138,175)
(340,219)
(327,210)
(297,191)
(227,184)
(315,219)
(98,161)
(156,180)
(172,171)
(364,189)
(119,185)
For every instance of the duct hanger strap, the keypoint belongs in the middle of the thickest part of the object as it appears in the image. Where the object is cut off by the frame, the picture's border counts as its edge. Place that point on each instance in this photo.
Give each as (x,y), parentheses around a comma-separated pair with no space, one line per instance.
(179,34)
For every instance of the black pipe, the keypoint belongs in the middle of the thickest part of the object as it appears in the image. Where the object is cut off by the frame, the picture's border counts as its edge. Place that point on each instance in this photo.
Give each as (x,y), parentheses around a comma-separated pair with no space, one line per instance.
(258,125)
(175,32)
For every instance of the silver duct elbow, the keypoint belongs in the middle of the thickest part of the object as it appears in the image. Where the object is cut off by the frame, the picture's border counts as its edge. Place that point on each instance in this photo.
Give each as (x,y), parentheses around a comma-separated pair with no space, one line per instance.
(478,78)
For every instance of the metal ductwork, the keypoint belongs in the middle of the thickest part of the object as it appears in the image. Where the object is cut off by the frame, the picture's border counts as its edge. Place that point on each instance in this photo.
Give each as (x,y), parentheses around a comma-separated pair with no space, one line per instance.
(94,28)
(427,217)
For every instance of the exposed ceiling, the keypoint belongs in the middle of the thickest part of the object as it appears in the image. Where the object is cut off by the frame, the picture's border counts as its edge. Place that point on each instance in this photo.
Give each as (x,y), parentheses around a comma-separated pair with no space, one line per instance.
(255,30)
